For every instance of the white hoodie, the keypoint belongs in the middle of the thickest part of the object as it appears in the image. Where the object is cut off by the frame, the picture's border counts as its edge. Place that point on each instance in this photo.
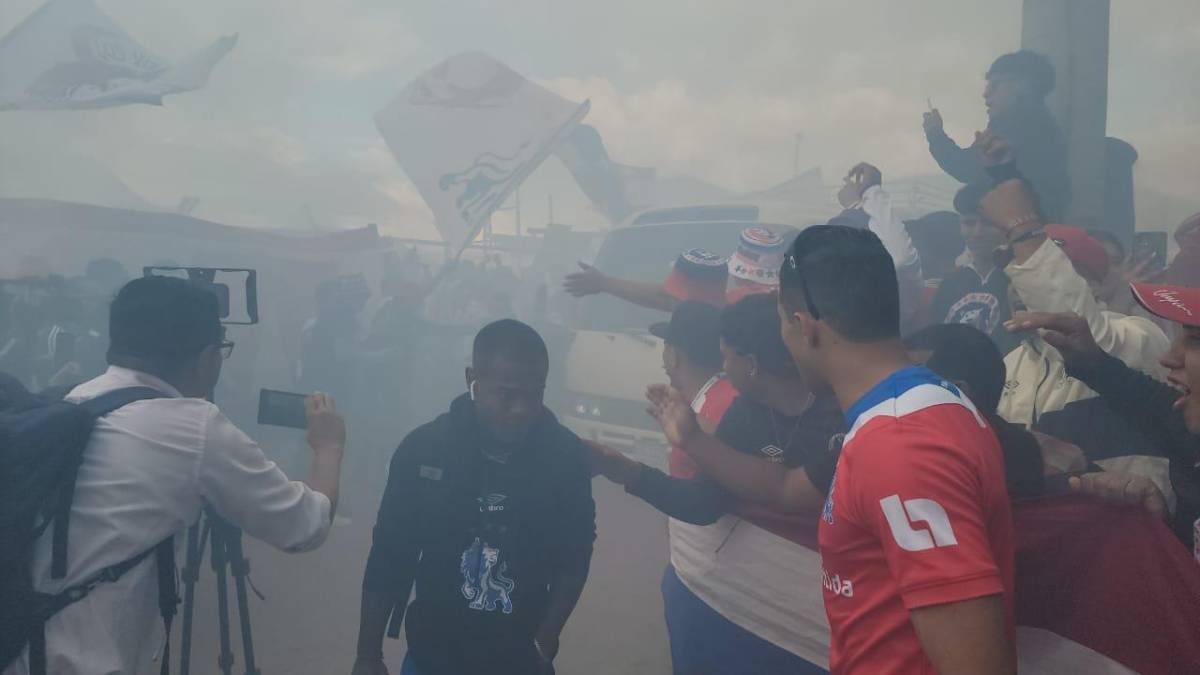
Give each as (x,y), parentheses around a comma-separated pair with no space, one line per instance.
(1037,381)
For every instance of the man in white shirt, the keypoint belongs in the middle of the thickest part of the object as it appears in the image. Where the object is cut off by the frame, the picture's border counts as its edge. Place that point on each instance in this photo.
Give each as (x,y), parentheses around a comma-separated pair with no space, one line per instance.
(151,466)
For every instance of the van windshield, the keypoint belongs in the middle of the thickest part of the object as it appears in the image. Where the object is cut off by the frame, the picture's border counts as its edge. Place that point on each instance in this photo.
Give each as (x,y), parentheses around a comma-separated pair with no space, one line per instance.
(646,253)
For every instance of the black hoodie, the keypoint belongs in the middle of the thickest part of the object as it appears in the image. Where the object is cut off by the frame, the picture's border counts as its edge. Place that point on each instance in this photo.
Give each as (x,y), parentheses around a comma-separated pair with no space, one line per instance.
(481,539)
(1040,150)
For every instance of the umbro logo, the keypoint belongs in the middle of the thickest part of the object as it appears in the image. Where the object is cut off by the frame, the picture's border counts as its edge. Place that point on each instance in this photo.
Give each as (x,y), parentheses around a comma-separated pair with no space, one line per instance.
(902,516)
(773,453)
(492,503)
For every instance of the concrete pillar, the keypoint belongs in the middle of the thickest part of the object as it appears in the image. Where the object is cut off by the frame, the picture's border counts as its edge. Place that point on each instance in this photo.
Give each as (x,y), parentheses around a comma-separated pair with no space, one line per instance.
(1073,34)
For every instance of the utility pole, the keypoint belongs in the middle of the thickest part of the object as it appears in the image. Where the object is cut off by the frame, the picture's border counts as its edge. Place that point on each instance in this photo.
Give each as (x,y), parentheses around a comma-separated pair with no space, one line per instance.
(1073,34)
(517,210)
(796,156)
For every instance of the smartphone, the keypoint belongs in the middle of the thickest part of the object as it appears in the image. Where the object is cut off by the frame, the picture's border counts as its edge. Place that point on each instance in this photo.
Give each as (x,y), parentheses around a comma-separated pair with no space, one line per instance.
(1151,246)
(281,409)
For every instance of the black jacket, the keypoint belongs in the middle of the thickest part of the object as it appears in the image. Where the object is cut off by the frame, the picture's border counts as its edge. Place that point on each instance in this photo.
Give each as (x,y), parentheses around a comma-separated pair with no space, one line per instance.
(1148,405)
(964,297)
(1040,150)
(481,540)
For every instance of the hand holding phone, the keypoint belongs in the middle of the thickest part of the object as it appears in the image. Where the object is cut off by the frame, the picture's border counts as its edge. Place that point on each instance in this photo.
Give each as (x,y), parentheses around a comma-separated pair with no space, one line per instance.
(282,409)
(326,428)
(316,413)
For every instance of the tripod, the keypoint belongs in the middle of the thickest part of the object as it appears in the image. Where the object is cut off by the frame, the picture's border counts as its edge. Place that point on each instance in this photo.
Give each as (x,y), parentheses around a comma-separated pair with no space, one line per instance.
(227,558)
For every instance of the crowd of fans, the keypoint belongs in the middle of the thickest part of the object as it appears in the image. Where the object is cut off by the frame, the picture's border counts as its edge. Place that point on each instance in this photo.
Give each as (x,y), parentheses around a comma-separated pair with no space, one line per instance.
(54,329)
(1070,349)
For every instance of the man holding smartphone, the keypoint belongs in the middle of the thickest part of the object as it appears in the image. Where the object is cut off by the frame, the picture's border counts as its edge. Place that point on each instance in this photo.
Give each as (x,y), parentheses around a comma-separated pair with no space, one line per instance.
(150,467)
(488,515)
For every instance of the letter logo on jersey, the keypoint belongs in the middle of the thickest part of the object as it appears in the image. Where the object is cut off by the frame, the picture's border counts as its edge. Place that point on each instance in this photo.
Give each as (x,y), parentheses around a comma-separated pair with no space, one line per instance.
(493,503)
(773,453)
(835,584)
(902,516)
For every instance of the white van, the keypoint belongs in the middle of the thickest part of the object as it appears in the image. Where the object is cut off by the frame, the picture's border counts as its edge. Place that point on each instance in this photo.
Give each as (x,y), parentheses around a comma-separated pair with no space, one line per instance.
(613,357)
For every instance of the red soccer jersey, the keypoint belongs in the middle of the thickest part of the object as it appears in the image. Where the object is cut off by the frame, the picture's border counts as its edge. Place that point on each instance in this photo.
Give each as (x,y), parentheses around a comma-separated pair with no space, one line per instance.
(918,515)
(711,404)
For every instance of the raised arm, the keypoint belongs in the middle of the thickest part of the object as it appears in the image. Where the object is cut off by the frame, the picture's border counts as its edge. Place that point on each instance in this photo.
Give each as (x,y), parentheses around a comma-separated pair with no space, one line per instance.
(962,164)
(1143,402)
(1046,280)
(863,195)
(697,500)
(251,491)
(591,281)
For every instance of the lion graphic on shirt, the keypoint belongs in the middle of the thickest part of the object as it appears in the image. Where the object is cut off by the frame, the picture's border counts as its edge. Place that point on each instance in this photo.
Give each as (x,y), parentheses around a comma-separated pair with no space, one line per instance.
(484,583)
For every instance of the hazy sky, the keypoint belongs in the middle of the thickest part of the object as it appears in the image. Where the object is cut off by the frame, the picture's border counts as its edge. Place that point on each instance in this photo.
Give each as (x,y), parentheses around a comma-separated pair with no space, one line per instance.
(717,90)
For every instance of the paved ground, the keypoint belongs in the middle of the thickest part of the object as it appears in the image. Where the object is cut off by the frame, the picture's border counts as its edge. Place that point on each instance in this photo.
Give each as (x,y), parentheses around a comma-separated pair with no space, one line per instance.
(309,623)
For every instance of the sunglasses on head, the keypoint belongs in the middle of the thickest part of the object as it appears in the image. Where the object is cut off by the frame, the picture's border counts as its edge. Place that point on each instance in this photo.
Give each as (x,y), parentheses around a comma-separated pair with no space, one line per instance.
(789,262)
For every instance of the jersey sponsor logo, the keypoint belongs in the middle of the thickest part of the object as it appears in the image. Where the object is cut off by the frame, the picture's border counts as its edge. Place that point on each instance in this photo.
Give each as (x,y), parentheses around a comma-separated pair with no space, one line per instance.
(836,584)
(484,580)
(431,472)
(981,310)
(493,503)
(773,453)
(902,516)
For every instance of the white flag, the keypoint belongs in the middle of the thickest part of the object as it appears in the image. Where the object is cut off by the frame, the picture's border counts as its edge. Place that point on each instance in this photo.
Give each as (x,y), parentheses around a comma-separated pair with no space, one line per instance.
(70,55)
(468,132)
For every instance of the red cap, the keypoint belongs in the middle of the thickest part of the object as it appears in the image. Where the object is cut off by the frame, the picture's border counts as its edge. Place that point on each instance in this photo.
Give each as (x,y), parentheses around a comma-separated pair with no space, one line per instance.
(1173,303)
(1088,254)
(699,276)
(689,289)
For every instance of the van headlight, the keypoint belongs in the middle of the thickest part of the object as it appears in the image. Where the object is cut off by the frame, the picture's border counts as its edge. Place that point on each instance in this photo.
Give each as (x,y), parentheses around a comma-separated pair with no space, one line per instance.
(610,410)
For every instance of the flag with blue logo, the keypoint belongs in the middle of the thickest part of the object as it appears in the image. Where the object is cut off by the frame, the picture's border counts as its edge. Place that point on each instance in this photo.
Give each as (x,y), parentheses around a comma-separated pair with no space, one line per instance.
(70,55)
(468,132)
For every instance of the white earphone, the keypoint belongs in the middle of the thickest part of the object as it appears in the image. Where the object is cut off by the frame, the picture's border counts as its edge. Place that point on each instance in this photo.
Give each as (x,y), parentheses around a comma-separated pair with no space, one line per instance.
(472,390)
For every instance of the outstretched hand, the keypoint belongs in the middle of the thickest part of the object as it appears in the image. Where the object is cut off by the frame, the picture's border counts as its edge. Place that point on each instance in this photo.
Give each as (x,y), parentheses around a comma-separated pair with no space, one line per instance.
(611,463)
(674,415)
(588,281)
(932,121)
(858,180)
(326,428)
(1120,487)
(994,149)
(1069,333)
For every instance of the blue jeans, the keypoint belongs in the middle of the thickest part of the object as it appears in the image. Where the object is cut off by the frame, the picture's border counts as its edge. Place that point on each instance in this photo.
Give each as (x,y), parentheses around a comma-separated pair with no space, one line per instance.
(705,643)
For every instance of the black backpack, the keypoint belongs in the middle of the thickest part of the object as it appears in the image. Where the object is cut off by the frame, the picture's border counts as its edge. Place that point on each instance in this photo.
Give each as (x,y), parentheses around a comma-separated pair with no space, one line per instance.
(41,448)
